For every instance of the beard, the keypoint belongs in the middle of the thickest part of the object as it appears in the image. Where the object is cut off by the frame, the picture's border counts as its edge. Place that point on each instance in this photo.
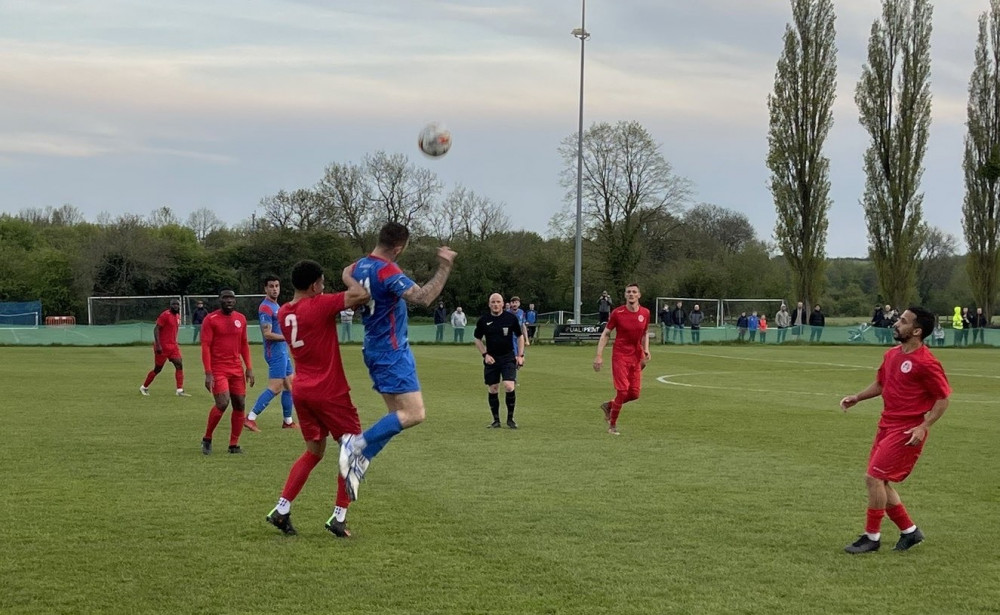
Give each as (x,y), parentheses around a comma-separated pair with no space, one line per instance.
(899,337)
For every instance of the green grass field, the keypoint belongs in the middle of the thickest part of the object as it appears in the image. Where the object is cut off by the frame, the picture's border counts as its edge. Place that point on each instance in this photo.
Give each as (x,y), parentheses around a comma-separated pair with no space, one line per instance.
(733,488)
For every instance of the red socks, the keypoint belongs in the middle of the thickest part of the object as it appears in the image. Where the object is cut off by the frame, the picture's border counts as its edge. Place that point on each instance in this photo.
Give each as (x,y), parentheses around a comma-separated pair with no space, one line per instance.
(343,500)
(149,378)
(299,475)
(236,426)
(899,516)
(873,520)
(214,416)
(179,378)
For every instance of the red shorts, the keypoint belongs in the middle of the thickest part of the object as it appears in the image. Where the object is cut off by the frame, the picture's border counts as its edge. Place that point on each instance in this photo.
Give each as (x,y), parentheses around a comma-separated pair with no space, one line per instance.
(319,418)
(626,374)
(168,354)
(890,458)
(233,383)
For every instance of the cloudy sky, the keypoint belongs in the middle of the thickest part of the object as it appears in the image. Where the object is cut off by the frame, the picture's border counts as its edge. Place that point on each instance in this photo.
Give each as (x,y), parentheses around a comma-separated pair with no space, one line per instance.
(128,105)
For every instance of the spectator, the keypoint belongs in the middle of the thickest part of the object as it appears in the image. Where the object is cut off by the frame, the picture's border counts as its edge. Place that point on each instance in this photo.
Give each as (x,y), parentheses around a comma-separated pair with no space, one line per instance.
(440,317)
(782,320)
(883,320)
(458,322)
(979,324)
(604,306)
(664,316)
(742,323)
(799,319)
(531,319)
(677,318)
(753,324)
(696,317)
(763,328)
(197,316)
(957,324)
(938,333)
(346,320)
(966,325)
(816,323)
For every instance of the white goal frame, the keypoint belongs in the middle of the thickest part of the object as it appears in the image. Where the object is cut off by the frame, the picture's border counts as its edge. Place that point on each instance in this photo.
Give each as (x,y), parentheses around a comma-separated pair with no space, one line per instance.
(688,305)
(728,314)
(166,303)
(10,325)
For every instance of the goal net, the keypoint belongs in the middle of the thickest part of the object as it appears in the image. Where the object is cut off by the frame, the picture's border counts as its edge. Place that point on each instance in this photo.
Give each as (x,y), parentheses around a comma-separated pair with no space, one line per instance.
(709,307)
(20,313)
(245,304)
(25,319)
(125,310)
(732,308)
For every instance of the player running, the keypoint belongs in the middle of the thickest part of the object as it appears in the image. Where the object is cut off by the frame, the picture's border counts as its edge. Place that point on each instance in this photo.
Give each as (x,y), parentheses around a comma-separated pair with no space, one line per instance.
(915,393)
(165,348)
(629,355)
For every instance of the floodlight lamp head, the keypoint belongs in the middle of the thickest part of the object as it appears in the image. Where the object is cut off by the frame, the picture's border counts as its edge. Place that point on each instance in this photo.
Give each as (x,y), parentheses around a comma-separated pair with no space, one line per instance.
(580,33)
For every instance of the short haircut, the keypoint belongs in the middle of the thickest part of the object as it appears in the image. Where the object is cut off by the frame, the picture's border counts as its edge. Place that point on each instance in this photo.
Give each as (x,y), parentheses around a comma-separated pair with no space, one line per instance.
(924,320)
(515,298)
(393,235)
(226,293)
(305,273)
(271,278)
(631,285)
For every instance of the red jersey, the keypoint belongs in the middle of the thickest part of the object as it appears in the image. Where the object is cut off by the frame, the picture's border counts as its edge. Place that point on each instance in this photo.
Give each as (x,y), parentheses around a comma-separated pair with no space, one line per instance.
(310,328)
(223,342)
(169,323)
(630,330)
(911,383)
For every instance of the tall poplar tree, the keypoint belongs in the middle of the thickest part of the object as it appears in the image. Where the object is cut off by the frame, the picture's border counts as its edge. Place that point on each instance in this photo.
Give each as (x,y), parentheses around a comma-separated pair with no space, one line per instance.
(981,209)
(801,109)
(894,101)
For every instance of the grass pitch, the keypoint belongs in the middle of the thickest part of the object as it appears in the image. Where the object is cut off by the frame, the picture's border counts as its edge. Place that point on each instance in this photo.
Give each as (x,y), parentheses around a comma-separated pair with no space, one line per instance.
(733,488)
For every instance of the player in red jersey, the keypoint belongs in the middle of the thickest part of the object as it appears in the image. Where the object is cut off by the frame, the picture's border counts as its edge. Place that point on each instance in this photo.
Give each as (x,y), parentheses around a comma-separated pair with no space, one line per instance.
(165,348)
(322,396)
(223,344)
(915,393)
(628,356)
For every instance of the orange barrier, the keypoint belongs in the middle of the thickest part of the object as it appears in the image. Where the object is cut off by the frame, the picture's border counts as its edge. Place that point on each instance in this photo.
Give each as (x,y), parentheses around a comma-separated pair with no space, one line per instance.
(60,320)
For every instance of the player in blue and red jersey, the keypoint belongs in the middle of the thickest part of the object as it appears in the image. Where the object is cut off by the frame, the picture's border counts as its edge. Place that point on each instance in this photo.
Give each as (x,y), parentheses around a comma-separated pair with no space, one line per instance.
(223,345)
(322,395)
(629,355)
(386,348)
(915,394)
(279,364)
(165,348)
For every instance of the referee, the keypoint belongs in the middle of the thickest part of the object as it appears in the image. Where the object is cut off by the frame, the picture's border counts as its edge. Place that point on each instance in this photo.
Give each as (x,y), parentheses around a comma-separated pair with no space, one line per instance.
(494,338)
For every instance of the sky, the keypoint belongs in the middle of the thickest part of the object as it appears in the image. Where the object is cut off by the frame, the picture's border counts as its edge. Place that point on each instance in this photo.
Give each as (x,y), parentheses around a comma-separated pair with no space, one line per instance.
(125,106)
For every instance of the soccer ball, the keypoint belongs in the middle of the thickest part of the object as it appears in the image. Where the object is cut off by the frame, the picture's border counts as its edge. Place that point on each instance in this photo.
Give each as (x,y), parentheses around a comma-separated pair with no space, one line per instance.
(434,140)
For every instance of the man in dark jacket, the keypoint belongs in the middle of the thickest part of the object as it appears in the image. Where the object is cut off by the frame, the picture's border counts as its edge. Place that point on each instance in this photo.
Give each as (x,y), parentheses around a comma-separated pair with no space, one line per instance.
(664,316)
(742,324)
(816,323)
(696,317)
(979,324)
(440,317)
(677,319)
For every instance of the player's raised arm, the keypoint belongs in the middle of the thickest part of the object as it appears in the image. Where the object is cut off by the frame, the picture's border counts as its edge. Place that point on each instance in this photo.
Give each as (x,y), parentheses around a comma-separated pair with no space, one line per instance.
(426,294)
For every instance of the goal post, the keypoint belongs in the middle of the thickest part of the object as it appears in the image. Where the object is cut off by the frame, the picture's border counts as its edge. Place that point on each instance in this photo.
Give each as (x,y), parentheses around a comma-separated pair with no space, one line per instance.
(124,310)
(20,313)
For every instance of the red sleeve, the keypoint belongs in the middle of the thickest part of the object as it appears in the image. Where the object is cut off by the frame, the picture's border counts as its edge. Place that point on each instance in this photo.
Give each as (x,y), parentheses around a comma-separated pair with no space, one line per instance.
(245,346)
(880,376)
(936,382)
(207,334)
(334,303)
(612,321)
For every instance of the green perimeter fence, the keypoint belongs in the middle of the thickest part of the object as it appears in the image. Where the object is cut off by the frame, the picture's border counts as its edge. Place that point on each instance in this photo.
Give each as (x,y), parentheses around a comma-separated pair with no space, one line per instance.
(140,333)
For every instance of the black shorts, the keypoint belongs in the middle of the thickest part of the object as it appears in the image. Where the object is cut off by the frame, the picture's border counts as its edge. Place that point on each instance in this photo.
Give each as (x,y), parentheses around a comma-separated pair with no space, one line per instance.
(503,368)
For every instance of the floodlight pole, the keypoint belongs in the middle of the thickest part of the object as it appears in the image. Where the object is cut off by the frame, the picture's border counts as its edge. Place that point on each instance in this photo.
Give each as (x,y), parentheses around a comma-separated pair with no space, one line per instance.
(582,34)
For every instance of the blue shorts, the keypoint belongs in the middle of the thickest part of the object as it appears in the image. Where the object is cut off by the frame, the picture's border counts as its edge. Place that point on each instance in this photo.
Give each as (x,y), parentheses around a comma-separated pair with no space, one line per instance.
(279,365)
(393,372)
